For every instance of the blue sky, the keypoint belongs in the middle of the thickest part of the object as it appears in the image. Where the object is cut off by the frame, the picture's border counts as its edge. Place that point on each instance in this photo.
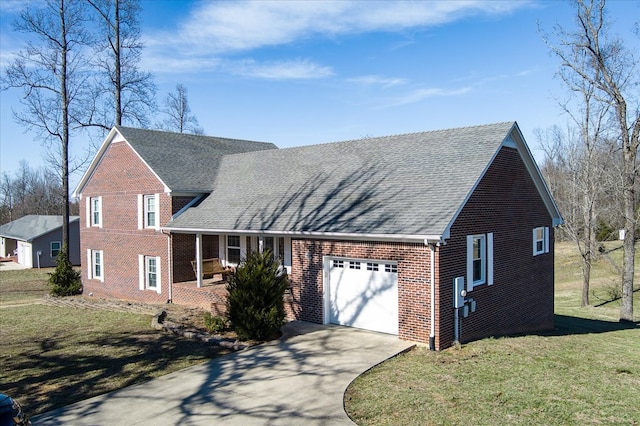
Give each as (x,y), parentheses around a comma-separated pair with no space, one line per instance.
(306,72)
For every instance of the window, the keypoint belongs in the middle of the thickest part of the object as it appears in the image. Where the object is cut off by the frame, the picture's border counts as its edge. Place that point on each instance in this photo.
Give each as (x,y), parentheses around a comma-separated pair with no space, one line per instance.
(150,208)
(372,266)
(149,267)
(233,249)
(391,267)
(95,211)
(338,263)
(55,248)
(96,264)
(268,244)
(151,273)
(354,265)
(540,240)
(479,260)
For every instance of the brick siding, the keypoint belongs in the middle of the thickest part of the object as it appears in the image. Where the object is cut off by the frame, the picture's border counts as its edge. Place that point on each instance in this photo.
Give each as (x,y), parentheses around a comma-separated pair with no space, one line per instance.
(506,203)
(119,178)
(306,302)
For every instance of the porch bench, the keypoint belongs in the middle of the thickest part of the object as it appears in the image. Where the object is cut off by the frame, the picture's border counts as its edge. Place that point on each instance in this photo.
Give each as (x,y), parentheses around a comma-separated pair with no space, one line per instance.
(211,267)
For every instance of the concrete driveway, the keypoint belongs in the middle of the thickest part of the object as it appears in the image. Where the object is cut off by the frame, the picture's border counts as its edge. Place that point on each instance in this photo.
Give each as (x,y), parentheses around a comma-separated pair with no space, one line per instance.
(298,379)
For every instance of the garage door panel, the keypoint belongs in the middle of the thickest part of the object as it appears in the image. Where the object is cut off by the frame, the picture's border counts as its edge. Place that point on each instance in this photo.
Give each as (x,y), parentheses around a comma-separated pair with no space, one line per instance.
(363,298)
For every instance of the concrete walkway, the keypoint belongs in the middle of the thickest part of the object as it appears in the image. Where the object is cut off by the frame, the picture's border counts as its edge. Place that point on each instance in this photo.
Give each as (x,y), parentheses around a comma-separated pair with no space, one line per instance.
(298,379)
(12,266)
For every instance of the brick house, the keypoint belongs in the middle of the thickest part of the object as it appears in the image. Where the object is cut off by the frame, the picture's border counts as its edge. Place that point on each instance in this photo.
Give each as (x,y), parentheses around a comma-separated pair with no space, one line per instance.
(138,180)
(374,233)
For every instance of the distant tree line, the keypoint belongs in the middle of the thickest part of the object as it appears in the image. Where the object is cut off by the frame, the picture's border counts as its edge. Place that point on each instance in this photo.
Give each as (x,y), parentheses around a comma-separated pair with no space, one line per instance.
(30,191)
(79,76)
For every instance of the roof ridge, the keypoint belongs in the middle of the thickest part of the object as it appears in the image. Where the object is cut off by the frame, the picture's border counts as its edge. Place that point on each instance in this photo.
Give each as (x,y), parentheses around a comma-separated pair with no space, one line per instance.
(346,141)
(224,138)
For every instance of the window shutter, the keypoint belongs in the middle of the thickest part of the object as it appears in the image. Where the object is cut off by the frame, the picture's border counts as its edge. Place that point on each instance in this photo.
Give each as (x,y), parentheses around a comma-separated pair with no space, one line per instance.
(243,247)
(469,262)
(222,249)
(89,264)
(102,271)
(159,274)
(88,211)
(157,203)
(141,271)
(140,211)
(546,239)
(490,258)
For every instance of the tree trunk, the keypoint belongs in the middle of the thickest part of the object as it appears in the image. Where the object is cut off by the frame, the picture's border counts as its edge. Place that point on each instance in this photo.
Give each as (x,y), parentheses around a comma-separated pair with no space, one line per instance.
(118,66)
(628,267)
(586,278)
(65,130)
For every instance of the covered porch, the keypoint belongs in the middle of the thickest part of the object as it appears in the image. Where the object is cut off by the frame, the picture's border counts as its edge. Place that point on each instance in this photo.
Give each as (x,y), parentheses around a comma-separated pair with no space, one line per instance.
(206,259)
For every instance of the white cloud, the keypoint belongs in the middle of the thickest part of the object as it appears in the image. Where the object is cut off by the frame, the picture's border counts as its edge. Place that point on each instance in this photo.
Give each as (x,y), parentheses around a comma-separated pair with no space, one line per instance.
(282,70)
(246,25)
(222,28)
(14,6)
(374,80)
(421,94)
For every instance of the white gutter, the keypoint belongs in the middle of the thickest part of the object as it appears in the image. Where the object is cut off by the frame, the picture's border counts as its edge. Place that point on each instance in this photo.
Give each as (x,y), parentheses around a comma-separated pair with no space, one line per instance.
(432,335)
(169,263)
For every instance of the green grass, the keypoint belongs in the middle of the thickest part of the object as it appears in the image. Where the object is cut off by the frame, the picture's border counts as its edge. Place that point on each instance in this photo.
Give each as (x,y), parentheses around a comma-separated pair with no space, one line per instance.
(52,356)
(586,371)
(24,284)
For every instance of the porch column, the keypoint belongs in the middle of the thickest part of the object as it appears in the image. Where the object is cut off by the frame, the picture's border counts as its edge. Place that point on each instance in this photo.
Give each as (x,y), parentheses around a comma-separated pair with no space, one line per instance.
(199,260)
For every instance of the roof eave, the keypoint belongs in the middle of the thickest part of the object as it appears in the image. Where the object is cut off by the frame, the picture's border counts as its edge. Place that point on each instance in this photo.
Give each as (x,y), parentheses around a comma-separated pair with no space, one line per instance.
(406,238)
(94,163)
(96,160)
(515,139)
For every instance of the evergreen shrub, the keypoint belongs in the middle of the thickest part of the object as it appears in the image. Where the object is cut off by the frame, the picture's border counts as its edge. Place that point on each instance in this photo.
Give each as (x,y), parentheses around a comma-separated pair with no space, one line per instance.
(255,305)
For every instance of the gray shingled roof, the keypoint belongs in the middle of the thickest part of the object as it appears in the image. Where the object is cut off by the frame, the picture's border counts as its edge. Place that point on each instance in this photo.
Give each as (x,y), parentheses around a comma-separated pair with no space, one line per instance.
(185,162)
(30,227)
(410,184)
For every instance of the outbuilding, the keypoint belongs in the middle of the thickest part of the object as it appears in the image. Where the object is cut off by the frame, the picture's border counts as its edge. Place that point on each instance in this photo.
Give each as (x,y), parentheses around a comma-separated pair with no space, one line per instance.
(36,240)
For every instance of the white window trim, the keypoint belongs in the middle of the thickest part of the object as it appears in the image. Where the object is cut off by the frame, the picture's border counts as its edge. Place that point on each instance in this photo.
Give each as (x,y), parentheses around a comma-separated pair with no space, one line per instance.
(545,240)
(142,211)
(222,248)
(51,248)
(276,246)
(89,212)
(91,265)
(488,260)
(143,282)
(241,239)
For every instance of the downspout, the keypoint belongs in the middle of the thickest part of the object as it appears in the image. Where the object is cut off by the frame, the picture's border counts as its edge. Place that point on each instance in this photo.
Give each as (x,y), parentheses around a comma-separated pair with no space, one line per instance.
(432,334)
(169,263)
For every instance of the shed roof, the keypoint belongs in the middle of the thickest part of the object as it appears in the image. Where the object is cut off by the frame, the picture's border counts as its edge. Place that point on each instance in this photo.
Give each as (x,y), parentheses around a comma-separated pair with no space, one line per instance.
(408,186)
(30,227)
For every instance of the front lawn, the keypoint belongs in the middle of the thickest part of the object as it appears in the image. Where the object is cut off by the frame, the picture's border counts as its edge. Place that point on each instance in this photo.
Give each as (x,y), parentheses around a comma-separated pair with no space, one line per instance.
(51,356)
(586,371)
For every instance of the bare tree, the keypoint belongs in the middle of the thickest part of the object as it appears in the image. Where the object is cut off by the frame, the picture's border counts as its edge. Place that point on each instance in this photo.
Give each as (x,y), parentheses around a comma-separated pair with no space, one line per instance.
(176,107)
(126,92)
(610,69)
(51,73)
(31,191)
(574,169)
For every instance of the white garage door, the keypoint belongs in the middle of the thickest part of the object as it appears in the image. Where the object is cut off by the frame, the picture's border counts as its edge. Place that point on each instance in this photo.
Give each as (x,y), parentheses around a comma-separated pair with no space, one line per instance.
(363,294)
